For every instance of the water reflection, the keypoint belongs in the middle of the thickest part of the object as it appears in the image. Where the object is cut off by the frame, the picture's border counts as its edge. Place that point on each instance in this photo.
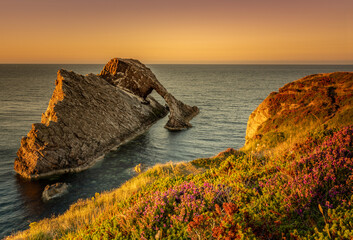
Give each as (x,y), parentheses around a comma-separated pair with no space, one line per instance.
(226,96)
(30,194)
(112,171)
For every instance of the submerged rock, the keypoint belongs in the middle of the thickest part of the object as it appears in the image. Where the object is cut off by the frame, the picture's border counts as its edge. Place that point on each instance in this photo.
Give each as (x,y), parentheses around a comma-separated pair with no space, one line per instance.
(135,77)
(54,191)
(86,117)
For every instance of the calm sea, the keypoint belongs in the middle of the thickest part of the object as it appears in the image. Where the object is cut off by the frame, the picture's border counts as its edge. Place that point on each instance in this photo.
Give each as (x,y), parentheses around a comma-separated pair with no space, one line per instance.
(225,94)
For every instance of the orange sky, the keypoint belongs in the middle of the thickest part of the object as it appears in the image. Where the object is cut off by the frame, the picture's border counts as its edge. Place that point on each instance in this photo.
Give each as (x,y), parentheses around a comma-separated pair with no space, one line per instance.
(183,31)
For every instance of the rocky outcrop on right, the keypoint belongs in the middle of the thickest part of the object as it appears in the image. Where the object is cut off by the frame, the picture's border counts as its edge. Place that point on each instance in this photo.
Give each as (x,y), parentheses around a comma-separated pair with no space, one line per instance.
(324,99)
(135,77)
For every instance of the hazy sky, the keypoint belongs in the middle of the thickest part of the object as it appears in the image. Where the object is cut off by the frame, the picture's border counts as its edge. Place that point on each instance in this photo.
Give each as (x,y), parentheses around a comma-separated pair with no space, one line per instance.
(179,31)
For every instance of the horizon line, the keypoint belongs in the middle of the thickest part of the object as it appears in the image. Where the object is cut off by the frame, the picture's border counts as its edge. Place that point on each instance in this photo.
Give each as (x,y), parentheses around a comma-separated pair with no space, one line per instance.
(178,63)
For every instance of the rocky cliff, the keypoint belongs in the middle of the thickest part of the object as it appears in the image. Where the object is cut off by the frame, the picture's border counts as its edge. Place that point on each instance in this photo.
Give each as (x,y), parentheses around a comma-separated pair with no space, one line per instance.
(86,117)
(135,77)
(320,99)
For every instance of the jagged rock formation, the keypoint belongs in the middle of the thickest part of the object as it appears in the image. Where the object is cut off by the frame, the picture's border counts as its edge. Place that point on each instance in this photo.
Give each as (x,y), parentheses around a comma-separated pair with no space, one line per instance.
(315,99)
(86,117)
(135,77)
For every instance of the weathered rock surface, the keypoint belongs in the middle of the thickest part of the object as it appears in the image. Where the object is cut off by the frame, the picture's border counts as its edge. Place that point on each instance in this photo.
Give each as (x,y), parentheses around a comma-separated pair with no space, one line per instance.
(135,77)
(319,98)
(86,117)
(54,191)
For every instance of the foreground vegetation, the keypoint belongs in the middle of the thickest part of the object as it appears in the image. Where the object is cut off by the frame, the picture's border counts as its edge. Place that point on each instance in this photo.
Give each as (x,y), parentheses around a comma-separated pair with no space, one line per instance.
(292,180)
(304,194)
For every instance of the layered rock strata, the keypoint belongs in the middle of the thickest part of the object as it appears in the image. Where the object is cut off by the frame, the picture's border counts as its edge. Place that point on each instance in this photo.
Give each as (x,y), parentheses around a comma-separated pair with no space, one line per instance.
(135,77)
(318,98)
(86,117)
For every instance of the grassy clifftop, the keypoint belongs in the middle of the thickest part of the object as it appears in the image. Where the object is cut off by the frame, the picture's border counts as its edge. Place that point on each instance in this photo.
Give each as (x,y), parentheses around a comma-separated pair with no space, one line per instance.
(292,180)
(315,101)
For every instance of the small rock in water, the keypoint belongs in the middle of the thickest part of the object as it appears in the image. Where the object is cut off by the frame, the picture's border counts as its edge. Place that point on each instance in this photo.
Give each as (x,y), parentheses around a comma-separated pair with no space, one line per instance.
(54,191)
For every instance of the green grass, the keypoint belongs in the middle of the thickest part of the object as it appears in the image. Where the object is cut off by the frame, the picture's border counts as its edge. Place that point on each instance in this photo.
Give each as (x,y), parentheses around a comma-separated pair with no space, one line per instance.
(294,180)
(236,194)
(102,205)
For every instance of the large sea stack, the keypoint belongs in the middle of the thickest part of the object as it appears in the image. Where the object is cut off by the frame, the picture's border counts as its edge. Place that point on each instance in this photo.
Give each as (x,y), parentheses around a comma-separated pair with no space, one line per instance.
(133,76)
(87,116)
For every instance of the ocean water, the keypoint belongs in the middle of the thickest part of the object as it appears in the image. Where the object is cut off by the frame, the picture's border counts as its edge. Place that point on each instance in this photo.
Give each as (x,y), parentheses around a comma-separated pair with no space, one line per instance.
(225,94)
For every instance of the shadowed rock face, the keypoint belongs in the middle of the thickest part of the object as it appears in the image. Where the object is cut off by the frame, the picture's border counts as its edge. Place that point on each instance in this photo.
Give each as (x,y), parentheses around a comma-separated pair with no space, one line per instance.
(86,117)
(135,77)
